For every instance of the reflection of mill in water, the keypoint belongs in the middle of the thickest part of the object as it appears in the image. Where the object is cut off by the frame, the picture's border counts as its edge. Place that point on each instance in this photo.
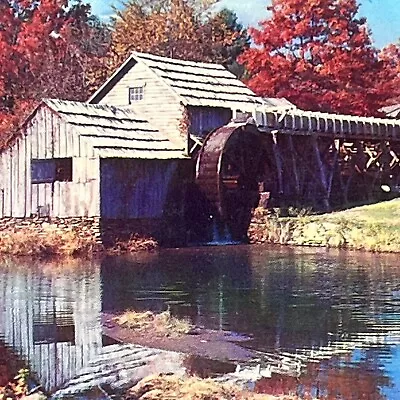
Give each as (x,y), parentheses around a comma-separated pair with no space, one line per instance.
(44,323)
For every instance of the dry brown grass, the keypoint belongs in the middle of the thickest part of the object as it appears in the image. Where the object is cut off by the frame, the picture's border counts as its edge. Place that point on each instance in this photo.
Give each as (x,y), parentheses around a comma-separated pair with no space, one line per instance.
(170,387)
(162,324)
(58,242)
(134,244)
(51,242)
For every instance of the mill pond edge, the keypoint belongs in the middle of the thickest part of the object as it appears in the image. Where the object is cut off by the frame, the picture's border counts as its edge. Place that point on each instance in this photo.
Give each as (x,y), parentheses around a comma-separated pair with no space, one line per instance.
(369,228)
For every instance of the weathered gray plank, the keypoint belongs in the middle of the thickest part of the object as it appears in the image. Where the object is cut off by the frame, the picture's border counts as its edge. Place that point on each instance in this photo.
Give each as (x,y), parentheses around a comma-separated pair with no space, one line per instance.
(28,185)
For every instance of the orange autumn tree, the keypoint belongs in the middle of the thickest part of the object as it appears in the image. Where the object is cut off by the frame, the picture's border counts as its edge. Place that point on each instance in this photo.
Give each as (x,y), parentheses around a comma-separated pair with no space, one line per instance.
(186,29)
(22,32)
(318,54)
(44,52)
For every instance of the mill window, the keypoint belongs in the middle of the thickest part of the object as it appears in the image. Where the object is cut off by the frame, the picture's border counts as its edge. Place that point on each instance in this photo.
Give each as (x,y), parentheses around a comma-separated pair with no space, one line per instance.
(136,93)
(53,170)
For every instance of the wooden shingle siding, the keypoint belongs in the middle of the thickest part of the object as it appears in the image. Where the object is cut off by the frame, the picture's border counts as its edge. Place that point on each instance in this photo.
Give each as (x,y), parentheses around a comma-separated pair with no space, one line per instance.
(80,132)
(200,84)
(46,137)
(154,89)
(107,131)
(6,179)
(172,86)
(160,105)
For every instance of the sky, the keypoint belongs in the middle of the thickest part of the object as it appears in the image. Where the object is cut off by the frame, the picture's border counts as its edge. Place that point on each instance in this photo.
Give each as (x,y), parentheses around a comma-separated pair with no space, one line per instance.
(383,16)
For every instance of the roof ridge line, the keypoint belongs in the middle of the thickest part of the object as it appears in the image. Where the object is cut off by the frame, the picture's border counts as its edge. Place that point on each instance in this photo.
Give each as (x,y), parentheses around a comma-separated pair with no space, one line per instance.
(106,107)
(172,60)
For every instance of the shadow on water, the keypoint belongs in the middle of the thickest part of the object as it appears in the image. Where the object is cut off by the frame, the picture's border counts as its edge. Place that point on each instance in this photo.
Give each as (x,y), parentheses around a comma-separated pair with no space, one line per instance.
(287,301)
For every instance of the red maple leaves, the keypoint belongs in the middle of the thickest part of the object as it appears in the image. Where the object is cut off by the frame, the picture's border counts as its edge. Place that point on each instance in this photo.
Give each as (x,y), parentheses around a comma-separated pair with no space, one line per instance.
(27,41)
(319,55)
(42,54)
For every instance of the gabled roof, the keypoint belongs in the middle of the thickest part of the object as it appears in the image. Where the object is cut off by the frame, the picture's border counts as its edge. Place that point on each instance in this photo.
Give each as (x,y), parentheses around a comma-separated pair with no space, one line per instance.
(195,83)
(115,132)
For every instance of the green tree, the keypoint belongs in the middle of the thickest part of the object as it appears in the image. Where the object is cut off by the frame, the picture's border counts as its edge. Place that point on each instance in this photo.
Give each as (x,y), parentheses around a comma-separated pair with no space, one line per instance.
(241,40)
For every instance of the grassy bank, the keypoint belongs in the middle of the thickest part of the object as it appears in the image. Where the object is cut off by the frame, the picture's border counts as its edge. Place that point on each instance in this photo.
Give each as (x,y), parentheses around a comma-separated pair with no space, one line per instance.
(29,242)
(155,387)
(373,228)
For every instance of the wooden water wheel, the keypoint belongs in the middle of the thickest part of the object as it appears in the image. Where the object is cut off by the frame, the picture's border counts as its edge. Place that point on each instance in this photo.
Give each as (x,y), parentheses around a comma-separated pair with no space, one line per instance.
(229,167)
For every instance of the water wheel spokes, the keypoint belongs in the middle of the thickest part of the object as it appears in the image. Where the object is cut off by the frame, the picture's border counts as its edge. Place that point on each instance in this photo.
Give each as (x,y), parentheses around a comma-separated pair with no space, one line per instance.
(229,167)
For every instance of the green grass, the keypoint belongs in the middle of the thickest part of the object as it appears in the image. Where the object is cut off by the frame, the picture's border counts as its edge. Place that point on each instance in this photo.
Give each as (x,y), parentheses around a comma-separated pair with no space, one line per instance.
(386,213)
(373,227)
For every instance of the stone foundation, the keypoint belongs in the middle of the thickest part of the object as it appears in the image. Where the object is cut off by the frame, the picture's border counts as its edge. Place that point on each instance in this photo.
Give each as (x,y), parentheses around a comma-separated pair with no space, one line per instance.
(83,226)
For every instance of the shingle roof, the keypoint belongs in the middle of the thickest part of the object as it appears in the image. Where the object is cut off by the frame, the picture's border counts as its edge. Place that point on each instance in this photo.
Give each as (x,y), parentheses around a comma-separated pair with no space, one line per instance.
(200,84)
(116,132)
(195,83)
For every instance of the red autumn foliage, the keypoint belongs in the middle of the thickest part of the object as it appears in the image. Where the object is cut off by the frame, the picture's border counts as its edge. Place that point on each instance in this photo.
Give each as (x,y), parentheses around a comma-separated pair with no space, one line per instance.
(12,375)
(390,78)
(46,50)
(318,54)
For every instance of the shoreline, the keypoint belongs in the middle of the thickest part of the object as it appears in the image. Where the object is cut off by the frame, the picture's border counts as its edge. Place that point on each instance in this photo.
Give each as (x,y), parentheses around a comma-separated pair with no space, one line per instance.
(209,358)
(372,228)
(203,357)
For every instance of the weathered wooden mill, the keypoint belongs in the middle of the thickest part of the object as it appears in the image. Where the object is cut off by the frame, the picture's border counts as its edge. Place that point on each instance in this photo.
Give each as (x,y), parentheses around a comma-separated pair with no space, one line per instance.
(173,148)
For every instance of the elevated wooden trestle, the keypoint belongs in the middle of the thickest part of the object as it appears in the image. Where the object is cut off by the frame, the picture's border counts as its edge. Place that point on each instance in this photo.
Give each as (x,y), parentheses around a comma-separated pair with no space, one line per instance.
(298,158)
(327,160)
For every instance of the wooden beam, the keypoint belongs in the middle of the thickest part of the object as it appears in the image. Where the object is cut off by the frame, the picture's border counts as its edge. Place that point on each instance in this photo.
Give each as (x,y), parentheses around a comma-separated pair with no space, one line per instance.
(278,161)
(321,172)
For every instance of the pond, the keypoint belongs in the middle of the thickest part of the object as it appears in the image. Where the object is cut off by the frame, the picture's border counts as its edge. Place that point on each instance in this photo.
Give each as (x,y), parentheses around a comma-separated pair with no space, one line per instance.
(289,301)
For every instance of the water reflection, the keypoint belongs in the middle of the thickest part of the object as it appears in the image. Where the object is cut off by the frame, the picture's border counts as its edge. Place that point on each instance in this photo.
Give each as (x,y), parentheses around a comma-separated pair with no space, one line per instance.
(191,282)
(333,380)
(50,315)
(288,301)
